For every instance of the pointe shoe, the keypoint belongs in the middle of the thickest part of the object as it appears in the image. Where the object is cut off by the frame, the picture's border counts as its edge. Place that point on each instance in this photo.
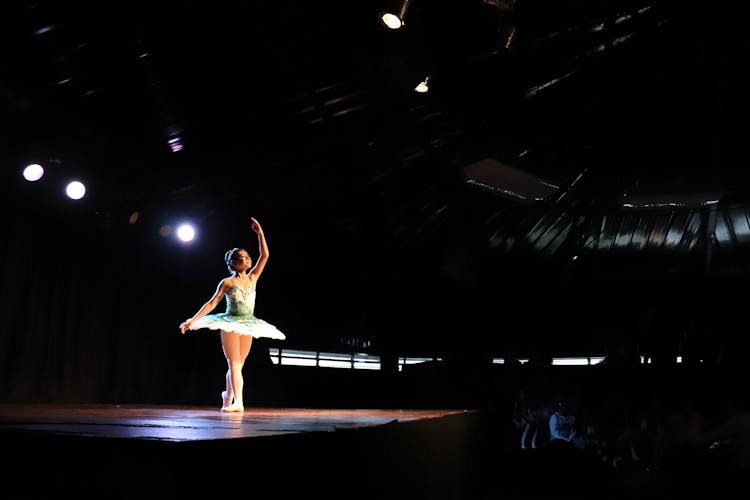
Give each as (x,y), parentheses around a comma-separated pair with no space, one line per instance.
(224,402)
(233,408)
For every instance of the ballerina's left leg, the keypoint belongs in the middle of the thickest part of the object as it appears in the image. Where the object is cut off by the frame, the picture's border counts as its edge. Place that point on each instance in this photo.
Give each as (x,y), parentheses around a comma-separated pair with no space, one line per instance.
(236,348)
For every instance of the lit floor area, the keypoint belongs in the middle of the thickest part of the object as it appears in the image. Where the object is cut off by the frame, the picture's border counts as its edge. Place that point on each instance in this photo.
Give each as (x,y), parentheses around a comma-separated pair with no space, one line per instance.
(190,423)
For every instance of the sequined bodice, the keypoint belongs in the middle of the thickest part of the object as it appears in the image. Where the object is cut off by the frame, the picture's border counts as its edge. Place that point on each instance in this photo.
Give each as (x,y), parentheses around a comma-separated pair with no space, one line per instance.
(240,301)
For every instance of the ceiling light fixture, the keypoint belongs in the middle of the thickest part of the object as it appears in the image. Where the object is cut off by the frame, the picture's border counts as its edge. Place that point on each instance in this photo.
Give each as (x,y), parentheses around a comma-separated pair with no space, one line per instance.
(424,86)
(395,20)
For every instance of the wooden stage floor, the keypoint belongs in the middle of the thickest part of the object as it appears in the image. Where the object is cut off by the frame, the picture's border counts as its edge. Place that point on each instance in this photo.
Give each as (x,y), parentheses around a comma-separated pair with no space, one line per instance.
(151,451)
(185,423)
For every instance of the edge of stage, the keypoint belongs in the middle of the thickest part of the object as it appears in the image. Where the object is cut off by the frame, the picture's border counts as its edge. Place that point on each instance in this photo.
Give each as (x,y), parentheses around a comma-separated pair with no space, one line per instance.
(180,451)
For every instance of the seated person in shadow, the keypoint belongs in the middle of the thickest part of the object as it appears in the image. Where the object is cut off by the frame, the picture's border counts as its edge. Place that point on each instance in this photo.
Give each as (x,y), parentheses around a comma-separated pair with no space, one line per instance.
(562,428)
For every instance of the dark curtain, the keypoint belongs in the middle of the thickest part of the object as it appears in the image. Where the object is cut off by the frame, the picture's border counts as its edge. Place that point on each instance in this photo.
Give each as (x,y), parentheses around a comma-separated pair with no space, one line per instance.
(90,313)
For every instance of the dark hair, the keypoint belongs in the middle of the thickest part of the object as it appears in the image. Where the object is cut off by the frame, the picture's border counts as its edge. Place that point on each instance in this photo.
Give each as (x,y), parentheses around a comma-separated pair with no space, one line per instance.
(229,257)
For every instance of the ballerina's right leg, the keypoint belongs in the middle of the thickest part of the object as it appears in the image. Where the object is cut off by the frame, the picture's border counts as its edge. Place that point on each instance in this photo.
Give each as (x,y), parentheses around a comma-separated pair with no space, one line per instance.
(230,344)
(227,395)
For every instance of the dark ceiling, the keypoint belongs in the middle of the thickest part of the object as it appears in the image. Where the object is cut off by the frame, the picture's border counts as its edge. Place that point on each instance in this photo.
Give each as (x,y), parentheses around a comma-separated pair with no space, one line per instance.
(630,114)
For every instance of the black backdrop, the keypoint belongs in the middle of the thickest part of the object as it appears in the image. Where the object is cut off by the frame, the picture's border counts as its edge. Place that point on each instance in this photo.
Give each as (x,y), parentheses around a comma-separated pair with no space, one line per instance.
(91,305)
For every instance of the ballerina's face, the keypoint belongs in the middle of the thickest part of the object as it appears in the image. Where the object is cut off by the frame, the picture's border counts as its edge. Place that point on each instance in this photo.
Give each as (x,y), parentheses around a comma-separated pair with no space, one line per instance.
(241,260)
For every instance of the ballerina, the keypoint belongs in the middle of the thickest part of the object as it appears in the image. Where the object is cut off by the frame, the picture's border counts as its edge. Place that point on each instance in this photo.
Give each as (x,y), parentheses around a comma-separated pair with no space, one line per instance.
(238,324)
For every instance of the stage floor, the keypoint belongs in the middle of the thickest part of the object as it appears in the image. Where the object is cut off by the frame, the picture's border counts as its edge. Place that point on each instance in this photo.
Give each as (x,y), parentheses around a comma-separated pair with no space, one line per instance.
(186,423)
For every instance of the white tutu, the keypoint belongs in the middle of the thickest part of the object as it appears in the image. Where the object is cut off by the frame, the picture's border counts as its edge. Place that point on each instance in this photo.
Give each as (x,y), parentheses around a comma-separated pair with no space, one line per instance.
(239,317)
(244,325)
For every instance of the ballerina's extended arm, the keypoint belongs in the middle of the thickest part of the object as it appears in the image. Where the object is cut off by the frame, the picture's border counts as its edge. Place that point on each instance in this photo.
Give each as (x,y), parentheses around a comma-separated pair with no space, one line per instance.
(262,251)
(206,308)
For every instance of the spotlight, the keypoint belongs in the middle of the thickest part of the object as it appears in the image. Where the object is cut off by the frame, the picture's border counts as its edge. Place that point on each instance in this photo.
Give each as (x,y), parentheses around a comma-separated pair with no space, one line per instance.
(33,172)
(395,20)
(423,86)
(186,232)
(75,190)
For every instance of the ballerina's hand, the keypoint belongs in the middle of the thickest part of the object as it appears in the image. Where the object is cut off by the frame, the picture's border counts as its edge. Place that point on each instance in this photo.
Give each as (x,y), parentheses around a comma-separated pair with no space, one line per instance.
(254,224)
(184,326)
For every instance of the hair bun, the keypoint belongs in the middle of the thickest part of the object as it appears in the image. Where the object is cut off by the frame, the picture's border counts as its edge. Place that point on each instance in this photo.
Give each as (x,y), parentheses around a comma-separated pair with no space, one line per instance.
(229,256)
